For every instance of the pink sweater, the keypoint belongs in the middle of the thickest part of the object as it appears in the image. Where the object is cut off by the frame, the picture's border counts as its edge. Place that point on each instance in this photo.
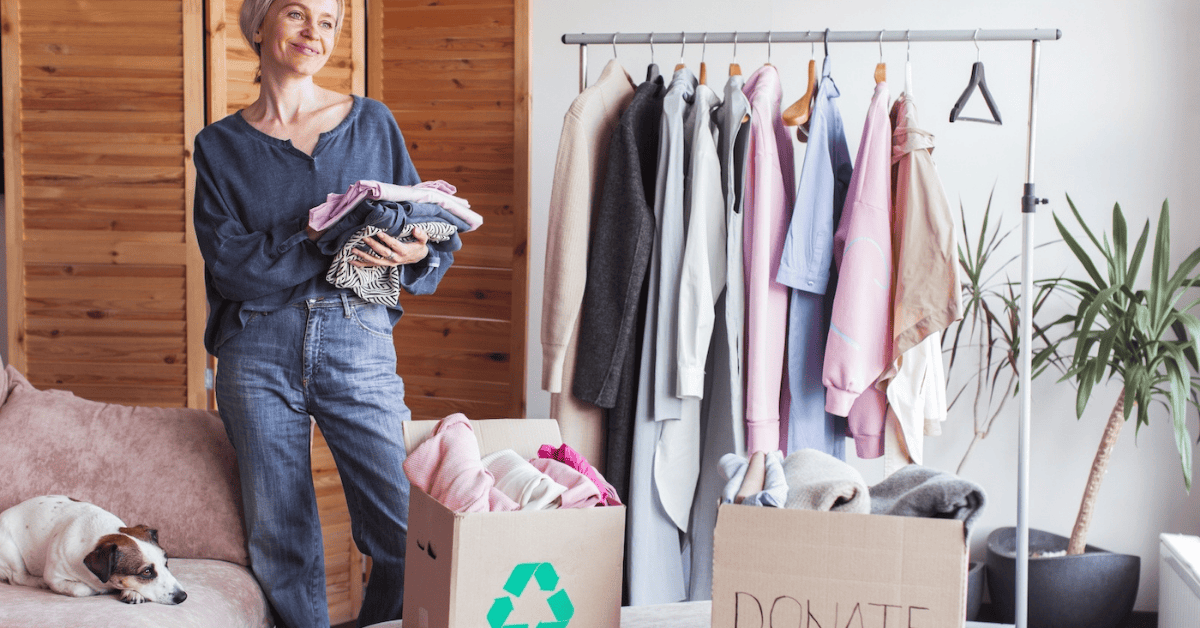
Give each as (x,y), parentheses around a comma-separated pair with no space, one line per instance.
(860,334)
(448,467)
(768,204)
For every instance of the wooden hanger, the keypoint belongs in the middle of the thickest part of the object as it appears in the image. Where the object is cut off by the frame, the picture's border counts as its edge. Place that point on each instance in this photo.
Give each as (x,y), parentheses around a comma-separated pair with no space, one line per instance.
(734,68)
(798,112)
(704,68)
(801,110)
(977,80)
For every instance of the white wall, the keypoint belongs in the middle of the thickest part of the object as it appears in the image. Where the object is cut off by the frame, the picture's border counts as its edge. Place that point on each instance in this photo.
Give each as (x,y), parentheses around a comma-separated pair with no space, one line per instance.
(1116,123)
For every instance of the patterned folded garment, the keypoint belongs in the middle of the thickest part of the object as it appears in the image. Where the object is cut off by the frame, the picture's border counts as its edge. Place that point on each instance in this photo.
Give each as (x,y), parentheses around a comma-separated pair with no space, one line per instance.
(378,284)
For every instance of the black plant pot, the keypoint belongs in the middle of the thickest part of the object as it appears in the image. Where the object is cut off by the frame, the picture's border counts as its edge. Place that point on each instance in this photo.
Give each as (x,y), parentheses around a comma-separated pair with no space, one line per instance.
(1095,589)
(974,590)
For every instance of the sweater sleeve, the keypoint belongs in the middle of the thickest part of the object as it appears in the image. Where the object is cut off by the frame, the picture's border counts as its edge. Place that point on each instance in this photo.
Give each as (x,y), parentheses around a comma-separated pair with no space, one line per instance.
(245,265)
(566,247)
(703,271)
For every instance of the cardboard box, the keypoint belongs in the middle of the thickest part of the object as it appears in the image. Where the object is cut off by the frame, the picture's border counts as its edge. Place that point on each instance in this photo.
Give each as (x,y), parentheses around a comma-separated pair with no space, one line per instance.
(775,568)
(542,568)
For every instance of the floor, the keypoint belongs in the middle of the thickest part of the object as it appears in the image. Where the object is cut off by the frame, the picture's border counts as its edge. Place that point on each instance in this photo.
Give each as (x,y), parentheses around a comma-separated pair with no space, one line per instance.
(1138,619)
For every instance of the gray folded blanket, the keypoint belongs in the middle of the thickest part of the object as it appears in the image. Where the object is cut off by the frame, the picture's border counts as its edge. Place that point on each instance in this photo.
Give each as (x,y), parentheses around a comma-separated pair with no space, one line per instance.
(917,491)
(818,481)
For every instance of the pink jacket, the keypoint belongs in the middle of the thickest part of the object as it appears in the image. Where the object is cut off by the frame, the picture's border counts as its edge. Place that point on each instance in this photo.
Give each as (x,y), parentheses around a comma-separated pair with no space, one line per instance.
(859,347)
(448,467)
(768,204)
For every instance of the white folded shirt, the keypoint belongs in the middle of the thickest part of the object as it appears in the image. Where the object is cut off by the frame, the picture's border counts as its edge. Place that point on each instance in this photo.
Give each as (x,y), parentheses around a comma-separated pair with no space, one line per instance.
(521,481)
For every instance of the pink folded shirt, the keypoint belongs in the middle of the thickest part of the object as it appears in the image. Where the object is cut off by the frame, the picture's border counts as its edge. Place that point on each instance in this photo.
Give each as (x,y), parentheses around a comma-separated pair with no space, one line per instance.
(449,468)
(581,492)
(438,192)
(576,461)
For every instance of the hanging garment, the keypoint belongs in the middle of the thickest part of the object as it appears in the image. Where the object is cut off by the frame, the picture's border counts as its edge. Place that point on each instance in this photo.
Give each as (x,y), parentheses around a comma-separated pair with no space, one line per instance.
(769,200)
(701,277)
(619,247)
(579,173)
(806,265)
(859,347)
(654,563)
(722,412)
(917,392)
(928,298)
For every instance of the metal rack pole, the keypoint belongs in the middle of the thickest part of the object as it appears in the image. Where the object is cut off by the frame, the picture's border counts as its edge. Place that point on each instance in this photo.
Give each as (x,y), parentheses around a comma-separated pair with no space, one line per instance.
(1029,203)
(781,37)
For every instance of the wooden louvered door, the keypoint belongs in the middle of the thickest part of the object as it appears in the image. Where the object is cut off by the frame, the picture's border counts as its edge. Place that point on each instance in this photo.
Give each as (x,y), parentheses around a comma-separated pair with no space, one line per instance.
(455,75)
(232,66)
(105,285)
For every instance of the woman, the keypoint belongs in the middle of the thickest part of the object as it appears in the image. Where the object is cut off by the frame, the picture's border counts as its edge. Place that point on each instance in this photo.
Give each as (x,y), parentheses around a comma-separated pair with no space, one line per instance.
(290,344)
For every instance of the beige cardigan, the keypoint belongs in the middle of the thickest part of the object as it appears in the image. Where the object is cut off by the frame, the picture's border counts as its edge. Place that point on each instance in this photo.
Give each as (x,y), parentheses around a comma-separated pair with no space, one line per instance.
(578,173)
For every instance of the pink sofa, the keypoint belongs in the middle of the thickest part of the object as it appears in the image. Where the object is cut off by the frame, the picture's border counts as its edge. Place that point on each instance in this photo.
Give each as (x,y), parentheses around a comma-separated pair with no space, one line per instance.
(171,469)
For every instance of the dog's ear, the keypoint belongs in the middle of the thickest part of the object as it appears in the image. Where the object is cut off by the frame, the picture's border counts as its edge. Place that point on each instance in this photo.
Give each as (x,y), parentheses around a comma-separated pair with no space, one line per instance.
(103,560)
(149,535)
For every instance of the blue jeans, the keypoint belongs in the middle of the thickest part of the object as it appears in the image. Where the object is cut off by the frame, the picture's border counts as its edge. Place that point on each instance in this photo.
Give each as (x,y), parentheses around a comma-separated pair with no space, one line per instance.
(332,359)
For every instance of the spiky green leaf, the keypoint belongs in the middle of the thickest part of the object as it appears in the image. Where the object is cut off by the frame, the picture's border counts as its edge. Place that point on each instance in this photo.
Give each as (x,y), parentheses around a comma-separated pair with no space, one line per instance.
(1179,388)
(1080,254)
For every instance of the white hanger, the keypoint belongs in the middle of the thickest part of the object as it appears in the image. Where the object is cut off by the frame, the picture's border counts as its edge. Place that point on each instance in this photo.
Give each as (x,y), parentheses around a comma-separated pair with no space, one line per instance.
(908,65)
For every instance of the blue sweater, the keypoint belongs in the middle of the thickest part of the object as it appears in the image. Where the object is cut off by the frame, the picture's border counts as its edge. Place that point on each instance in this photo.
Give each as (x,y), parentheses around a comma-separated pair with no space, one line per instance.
(253,193)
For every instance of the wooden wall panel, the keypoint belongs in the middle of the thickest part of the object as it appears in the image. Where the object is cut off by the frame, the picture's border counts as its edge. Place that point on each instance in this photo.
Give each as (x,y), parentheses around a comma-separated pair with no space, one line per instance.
(231,69)
(105,291)
(455,75)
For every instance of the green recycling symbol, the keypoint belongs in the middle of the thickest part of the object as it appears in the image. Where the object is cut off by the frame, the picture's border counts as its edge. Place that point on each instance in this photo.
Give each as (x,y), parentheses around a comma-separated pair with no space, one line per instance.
(518,580)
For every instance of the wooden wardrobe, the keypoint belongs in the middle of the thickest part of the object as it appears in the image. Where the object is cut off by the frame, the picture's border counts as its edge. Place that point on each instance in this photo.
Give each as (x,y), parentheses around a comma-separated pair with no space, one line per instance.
(105,289)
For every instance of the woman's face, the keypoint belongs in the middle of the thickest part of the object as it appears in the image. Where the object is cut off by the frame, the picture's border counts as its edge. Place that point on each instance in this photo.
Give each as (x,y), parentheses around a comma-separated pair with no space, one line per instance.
(297,36)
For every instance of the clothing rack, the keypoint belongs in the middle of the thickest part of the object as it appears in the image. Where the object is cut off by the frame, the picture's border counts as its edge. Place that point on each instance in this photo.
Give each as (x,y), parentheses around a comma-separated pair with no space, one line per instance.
(1029,201)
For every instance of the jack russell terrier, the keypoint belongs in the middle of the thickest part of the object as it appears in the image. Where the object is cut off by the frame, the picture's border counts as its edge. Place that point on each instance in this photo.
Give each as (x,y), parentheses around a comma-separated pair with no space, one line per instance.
(78,549)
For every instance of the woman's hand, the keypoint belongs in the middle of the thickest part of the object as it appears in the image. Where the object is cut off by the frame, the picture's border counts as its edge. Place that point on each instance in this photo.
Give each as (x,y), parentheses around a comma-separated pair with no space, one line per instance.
(392,252)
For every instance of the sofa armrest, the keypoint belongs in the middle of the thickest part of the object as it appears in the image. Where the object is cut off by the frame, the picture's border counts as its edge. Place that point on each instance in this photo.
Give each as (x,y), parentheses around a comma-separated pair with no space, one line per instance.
(172,469)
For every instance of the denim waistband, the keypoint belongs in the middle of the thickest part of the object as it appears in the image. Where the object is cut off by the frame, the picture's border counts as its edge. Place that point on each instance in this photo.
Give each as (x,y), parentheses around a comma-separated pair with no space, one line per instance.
(343,300)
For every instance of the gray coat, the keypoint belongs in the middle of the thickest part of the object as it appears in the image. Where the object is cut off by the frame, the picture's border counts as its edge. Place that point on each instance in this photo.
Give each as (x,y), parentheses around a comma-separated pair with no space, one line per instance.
(619,246)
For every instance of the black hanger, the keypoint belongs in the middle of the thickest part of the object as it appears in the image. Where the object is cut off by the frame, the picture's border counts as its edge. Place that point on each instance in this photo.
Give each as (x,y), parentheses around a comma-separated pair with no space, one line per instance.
(977,80)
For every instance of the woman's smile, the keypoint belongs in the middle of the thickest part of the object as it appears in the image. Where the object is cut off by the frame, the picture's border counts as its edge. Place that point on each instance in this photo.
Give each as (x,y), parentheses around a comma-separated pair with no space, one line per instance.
(306,49)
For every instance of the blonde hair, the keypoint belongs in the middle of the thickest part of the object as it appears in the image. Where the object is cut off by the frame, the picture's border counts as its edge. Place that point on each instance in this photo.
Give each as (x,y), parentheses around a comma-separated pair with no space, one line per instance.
(253,13)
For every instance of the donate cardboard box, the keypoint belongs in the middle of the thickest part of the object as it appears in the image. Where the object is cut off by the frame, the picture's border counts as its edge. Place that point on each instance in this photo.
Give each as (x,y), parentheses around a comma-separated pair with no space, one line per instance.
(547,568)
(775,568)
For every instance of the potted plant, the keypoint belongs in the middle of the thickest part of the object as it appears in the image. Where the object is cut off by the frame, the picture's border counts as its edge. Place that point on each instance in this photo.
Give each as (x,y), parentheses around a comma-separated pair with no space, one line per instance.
(1146,339)
(989,329)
